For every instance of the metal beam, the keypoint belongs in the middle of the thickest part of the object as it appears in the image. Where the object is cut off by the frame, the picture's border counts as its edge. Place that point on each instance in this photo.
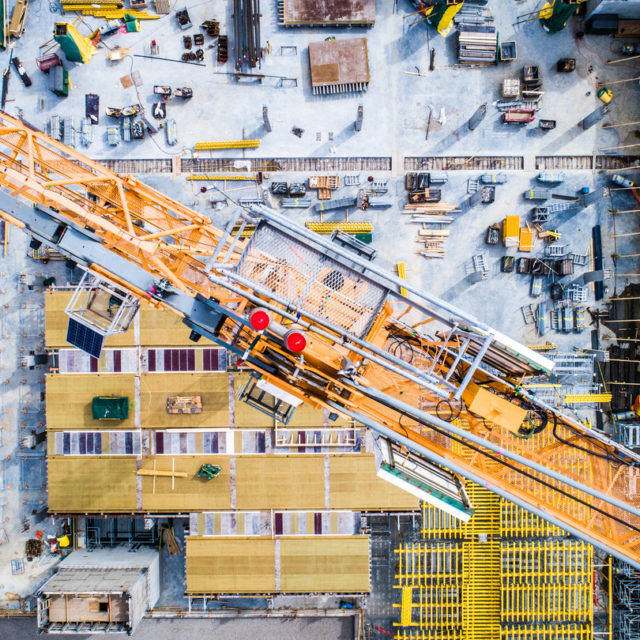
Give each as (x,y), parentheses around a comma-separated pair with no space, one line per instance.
(466,473)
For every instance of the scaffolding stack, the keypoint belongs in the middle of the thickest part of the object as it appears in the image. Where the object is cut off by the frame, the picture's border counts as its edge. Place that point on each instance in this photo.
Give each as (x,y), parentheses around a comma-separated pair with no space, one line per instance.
(504,575)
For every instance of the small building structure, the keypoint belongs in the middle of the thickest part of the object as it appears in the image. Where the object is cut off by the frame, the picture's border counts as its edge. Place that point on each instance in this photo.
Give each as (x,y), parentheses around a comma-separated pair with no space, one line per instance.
(100,591)
(339,66)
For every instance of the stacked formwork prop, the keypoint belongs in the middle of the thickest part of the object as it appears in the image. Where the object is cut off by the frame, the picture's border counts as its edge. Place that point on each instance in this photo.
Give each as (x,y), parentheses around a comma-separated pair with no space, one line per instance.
(504,575)
(626,594)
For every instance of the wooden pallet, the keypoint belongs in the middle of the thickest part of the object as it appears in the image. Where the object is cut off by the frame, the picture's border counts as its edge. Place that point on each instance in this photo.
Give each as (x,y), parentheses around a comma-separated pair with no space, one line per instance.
(184,404)
(324,182)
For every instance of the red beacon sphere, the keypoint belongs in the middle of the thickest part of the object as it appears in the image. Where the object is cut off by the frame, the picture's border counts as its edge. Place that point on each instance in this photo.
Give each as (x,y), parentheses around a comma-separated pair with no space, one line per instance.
(260,319)
(295,341)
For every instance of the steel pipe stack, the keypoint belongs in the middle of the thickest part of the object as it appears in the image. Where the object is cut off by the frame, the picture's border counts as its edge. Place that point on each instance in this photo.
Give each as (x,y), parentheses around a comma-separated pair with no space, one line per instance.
(246,24)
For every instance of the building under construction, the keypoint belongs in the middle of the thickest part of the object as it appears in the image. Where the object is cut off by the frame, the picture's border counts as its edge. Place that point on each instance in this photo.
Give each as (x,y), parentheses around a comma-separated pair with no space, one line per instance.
(358,351)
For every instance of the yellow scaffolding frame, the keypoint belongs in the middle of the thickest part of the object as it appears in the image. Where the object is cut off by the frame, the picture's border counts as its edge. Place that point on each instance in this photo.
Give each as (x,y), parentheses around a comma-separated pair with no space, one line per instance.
(504,575)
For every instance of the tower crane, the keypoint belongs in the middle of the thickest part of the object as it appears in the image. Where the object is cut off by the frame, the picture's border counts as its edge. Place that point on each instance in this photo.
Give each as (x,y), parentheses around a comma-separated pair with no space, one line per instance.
(317,323)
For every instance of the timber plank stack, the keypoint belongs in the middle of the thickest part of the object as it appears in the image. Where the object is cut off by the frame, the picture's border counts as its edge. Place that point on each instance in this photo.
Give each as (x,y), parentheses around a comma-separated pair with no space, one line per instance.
(433,219)
(477,45)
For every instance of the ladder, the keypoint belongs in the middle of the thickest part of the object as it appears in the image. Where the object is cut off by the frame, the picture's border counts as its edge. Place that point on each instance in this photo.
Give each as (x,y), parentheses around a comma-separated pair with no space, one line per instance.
(559,206)
(579,259)
(479,263)
(529,313)
(321,437)
(379,186)
(556,251)
(577,293)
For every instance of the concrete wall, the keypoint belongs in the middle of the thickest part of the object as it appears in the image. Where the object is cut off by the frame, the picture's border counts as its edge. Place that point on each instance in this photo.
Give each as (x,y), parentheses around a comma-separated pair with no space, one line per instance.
(622,8)
(115,558)
(138,602)
(153,581)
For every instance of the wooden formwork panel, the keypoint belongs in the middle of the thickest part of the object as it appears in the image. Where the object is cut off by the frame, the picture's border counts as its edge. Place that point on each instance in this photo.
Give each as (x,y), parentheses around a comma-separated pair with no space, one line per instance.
(280,482)
(300,564)
(91,484)
(244,415)
(354,485)
(69,399)
(98,484)
(305,416)
(158,327)
(163,328)
(323,564)
(213,388)
(162,494)
(230,565)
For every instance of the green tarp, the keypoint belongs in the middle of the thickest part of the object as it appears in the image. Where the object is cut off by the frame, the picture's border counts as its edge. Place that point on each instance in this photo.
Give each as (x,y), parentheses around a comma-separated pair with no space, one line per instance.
(110,408)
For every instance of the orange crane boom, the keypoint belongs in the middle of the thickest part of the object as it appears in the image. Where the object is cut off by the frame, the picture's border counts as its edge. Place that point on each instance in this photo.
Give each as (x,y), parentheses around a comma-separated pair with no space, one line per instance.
(318,324)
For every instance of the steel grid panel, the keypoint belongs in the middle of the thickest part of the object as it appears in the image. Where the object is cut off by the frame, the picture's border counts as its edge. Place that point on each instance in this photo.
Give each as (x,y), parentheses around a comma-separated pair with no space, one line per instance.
(306,278)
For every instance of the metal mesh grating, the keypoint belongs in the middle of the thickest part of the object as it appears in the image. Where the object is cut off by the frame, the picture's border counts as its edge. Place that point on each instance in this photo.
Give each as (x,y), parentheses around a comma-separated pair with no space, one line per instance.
(304,277)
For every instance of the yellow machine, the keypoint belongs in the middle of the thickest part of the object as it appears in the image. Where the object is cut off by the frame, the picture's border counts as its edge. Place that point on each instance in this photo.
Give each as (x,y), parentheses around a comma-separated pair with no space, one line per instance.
(606,95)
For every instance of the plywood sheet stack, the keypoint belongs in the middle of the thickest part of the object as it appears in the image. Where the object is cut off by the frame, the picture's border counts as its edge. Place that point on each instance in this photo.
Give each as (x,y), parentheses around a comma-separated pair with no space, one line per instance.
(433,217)
(477,45)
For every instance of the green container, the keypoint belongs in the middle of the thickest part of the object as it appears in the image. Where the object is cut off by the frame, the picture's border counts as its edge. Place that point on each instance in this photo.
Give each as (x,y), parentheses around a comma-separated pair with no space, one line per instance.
(110,408)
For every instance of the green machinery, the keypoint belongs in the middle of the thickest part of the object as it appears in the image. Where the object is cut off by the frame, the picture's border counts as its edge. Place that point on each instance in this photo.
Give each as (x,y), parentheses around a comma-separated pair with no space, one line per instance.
(209,471)
(440,13)
(556,13)
(76,47)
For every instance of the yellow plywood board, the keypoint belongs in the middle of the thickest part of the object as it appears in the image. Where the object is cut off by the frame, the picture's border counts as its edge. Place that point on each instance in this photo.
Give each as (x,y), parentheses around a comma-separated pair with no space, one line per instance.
(190,493)
(306,417)
(220,564)
(280,482)
(526,239)
(271,482)
(163,328)
(56,323)
(230,565)
(155,388)
(92,484)
(262,482)
(69,399)
(244,415)
(324,564)
(354,485)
